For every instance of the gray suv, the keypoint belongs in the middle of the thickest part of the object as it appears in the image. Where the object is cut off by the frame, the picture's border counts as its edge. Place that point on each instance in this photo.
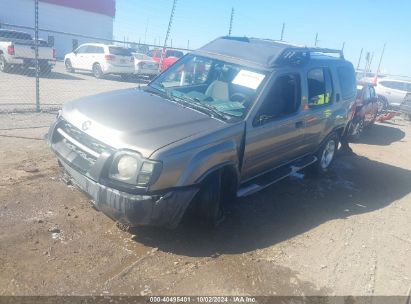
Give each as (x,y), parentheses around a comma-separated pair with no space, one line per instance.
(225,121)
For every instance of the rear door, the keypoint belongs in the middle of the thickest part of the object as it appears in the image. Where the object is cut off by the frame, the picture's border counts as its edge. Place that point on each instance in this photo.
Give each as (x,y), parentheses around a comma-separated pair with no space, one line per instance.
(276,134)
(394,91)
(318,115)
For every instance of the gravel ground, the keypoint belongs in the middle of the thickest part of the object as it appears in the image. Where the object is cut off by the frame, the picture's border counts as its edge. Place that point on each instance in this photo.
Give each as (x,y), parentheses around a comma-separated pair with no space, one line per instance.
(345,233)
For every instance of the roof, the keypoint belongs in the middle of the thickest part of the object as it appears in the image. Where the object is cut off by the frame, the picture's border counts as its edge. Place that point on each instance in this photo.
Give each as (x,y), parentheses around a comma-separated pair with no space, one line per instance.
(103,7)
(261,52)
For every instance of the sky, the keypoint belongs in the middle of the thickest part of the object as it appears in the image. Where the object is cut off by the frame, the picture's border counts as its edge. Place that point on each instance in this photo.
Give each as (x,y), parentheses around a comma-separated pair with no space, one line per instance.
(361,24)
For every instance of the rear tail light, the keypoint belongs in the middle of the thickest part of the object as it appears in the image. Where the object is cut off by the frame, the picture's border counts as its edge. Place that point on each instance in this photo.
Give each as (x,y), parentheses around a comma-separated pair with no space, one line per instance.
(110,57)
(10,50)
(54,53)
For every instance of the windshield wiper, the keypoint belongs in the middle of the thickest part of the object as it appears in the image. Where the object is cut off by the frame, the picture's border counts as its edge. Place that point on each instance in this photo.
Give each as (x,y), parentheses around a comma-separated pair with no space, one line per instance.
(195,103)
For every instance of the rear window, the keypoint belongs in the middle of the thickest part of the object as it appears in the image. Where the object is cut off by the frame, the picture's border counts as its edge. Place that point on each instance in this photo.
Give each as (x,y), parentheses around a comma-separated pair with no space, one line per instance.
(119,51)
(176,54)
(346,77)
(15,35)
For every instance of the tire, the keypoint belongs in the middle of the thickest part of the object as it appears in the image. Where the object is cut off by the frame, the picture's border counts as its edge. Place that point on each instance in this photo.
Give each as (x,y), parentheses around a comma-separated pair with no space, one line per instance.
(69,67)
(357,129)
(125,77)
(45,70)
(209,205)
(382,104)
(4,66)
(326,154)
(97,71)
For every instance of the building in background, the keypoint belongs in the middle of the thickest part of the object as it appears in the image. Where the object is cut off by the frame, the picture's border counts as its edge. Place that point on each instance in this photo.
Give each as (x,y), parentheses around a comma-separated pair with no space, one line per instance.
(92,18)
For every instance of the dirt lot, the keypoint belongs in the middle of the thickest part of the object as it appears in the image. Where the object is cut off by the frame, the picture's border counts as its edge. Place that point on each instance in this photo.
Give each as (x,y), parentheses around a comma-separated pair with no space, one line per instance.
(346,233)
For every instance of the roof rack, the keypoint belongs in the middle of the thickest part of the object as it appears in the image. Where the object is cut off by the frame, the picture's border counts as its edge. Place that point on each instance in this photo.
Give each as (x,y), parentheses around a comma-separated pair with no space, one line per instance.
(299,54)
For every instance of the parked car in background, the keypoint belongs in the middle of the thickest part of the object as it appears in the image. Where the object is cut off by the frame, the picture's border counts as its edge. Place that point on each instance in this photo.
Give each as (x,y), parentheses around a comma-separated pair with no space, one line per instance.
(145,65)
(17,50)
(391,92)
(366,109)
(405,107)
(170,56)
(101,59)
(193,139)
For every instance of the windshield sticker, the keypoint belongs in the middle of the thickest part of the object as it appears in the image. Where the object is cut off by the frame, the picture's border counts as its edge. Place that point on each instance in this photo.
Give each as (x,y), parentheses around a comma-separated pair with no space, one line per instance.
(248,79)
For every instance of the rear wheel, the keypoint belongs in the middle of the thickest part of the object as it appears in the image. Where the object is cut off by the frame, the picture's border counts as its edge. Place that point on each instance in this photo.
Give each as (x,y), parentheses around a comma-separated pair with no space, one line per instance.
(45,70)
(357,128)
(69,67)
(4,66)
(326,154)
(97,71)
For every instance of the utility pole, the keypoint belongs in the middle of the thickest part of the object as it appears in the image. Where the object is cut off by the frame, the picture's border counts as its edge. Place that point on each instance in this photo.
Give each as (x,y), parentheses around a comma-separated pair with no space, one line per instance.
(359,59)
(282,32)
(145,33)
(316,39)
(36,50)
(231,21)
(382,54)
(343,46)
(170,22)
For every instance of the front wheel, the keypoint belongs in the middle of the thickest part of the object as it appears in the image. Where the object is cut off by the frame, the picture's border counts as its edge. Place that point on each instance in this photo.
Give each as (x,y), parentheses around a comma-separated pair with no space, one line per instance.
(208,202)
(69,66)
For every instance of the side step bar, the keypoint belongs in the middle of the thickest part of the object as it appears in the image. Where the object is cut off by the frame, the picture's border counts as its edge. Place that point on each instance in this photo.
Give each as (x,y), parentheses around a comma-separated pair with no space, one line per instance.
(271,177)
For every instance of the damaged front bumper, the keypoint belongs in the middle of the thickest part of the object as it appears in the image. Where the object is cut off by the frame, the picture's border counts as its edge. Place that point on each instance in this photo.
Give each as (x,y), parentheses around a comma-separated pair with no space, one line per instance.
(166,209)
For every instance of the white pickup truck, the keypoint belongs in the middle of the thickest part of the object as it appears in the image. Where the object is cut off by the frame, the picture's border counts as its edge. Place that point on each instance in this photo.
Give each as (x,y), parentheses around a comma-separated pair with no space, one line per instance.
(17,49)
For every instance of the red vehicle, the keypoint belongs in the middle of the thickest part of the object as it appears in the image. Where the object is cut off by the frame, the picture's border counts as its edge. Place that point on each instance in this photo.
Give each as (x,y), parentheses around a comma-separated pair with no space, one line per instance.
(170,56)
(366,109)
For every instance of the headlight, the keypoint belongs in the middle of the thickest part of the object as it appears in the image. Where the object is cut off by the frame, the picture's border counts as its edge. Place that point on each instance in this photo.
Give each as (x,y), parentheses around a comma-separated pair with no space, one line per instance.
(130,168)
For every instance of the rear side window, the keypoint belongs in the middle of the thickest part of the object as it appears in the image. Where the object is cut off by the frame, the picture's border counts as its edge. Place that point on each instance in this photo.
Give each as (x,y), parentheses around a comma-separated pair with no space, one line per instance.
(347,81)
(119,51)
(95,49)
(320,89)
(396,85)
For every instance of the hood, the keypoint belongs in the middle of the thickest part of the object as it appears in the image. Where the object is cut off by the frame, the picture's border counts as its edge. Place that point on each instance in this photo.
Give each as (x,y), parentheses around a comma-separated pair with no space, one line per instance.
(136,120)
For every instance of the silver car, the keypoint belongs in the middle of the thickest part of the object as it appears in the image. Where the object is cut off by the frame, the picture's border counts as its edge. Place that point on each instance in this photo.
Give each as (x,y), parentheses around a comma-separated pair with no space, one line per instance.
(226,120)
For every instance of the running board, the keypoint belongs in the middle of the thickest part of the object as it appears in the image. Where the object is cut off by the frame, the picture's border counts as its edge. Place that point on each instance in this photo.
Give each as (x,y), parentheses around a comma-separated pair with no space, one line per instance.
(271,177)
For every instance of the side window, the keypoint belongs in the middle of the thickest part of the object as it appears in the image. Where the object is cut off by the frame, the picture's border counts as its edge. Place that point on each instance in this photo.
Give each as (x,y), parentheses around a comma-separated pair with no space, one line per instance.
(408,87)
(319,87)
(91,49)
(347,82)
(283,99)
(82,49)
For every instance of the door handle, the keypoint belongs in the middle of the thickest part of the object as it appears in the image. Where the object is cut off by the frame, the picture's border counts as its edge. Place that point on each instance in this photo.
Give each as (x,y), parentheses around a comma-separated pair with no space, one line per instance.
(299,124)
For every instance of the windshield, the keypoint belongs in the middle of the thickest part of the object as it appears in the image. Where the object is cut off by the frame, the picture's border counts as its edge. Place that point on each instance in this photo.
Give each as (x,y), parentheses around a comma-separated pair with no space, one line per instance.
(223,87)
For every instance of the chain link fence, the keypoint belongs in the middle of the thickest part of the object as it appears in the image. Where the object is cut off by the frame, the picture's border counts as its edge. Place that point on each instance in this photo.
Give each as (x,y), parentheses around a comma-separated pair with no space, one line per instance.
(41,68)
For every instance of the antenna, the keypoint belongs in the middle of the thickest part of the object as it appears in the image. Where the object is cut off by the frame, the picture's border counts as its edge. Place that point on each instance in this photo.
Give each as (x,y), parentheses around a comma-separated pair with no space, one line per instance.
(316,39)
(282,32)
(359,59)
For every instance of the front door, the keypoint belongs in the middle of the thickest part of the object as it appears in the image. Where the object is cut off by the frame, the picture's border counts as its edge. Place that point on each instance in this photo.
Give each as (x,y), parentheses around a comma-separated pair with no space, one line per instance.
(277,132)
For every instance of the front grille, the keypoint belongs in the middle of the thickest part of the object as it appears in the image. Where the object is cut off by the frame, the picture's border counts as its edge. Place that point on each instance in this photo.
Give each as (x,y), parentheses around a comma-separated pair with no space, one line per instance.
(86,149)
(84,139)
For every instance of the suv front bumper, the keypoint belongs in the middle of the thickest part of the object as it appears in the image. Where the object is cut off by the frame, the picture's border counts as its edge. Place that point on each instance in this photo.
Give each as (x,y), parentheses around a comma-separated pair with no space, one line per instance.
(166,209)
